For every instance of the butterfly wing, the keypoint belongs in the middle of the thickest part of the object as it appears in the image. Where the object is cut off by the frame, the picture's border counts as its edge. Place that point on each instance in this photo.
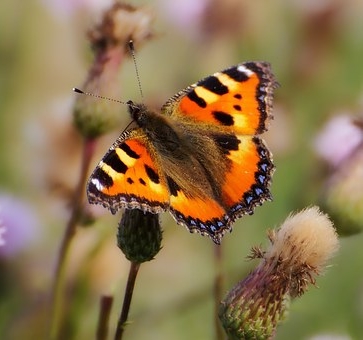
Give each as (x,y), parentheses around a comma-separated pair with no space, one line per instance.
(247,181)
(237,99)
(222,169)
(239,185)
(128,176)
(232,108)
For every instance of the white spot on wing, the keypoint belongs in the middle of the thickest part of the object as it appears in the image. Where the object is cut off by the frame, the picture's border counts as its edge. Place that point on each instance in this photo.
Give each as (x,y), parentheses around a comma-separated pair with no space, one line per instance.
(245,70)
(97,184)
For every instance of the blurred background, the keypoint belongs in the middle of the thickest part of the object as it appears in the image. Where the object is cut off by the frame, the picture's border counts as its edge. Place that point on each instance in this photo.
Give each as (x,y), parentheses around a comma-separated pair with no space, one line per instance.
(316,52)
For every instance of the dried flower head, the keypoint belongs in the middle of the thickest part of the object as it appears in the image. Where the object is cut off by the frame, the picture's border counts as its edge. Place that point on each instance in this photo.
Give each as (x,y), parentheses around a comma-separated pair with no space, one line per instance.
(299,251)
(121,23)
(301,247)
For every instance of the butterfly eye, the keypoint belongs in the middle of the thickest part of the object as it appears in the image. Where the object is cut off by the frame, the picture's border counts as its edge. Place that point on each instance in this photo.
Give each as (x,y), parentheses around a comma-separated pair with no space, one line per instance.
(130,104)
(137,112)
(133,109)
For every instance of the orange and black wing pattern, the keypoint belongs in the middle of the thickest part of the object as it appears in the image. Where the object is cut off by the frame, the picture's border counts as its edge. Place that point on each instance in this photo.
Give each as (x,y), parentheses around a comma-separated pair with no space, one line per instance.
(127,177)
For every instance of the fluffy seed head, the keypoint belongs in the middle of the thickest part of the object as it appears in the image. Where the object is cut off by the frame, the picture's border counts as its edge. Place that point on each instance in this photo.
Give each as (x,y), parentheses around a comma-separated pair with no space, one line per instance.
(307,237)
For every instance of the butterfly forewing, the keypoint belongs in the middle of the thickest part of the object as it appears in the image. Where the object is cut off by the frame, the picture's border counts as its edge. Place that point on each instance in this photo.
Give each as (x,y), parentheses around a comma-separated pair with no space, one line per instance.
(238,99)
(127,177)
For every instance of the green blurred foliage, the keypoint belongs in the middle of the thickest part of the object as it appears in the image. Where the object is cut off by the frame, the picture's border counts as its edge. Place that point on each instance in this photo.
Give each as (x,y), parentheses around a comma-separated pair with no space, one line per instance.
(316,51)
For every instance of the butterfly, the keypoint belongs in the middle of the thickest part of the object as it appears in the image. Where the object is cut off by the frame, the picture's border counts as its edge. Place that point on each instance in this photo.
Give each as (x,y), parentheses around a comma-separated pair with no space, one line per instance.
(201,158)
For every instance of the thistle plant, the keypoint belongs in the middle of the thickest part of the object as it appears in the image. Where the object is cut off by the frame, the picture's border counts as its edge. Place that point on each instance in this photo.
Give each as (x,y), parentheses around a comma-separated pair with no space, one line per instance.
(139,238)
(298,253)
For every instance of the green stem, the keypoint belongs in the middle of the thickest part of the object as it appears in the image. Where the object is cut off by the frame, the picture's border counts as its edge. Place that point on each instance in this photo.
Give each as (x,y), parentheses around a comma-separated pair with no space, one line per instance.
(57,302)
(218,291)
(134,269)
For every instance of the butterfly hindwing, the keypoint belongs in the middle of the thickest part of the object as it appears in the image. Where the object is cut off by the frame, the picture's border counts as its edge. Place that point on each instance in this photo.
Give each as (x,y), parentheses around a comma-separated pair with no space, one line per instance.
(247,181)
(127,177)
(245,186)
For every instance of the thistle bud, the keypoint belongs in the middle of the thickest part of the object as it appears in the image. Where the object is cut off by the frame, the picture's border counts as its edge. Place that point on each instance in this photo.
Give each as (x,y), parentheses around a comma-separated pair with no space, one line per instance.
(109,41)
(340,143)
(139,235)
(343,196)
(298,252)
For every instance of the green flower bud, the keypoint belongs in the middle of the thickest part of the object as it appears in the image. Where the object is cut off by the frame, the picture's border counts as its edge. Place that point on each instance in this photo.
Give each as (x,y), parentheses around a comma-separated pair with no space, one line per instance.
(254,307)
(139,235)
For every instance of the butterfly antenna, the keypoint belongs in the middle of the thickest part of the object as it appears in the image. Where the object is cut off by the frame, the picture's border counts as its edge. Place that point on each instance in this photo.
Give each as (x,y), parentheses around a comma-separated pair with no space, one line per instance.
(129,103)
(77,90)
(132,51)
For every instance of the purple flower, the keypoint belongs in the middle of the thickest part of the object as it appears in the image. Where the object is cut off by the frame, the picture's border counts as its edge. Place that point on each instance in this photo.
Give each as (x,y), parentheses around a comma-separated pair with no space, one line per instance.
(338,139)
(185,15)
(2,231)
(19,226)
(69,7)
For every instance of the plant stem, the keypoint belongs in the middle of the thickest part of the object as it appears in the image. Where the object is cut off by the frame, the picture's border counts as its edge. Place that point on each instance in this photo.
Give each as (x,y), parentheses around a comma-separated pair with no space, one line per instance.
(105,309)
(134,268)
(58,284)
(218,286)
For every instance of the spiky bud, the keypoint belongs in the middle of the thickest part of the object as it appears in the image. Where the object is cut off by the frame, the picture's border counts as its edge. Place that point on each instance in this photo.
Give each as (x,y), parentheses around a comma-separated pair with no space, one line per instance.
(139,235)
(343,195)
(298,252)
(340,144)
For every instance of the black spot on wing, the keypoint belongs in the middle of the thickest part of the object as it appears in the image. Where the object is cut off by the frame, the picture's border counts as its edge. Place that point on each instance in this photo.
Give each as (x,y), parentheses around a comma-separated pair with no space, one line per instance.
(129,180)
(114,161)
(198,100)
(154,177)
(238,96)
(223,117)
(236,75)
(141,181)
(213,84)
(227,143)
(173,187)
(237,107)
(129,152)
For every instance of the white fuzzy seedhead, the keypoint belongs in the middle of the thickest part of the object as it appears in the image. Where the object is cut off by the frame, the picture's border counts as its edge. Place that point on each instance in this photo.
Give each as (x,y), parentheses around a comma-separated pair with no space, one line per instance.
(305,238)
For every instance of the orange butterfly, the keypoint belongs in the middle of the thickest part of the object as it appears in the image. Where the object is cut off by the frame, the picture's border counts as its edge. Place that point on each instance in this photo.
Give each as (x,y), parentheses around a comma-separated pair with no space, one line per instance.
(201,158)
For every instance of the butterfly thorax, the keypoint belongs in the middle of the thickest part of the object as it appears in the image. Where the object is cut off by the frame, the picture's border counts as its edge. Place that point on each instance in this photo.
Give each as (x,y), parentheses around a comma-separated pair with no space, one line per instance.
(188,157)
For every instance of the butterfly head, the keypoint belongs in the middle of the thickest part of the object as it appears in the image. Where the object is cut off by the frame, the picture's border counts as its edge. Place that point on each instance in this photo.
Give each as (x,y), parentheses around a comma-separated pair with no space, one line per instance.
(137,112)
(134,109)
